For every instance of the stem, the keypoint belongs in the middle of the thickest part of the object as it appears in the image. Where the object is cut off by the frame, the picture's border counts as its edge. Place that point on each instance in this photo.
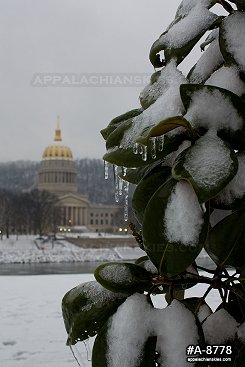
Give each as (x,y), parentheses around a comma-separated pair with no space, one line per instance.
(226,6)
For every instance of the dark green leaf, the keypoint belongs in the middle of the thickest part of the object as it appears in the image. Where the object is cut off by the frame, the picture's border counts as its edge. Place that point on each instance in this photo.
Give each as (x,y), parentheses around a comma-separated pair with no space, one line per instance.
(146,188)
(226,241)
(86,308)
(116,135)
(135,175)
(172,257)
(123,277)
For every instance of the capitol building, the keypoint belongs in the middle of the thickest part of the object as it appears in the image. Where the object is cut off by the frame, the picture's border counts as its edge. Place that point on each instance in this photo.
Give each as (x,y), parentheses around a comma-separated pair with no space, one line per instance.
(58,175)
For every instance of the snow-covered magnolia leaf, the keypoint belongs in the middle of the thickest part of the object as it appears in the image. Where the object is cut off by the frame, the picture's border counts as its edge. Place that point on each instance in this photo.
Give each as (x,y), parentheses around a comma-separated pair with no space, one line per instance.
(126,340)
(233,194)
(116,135)
(226,241)
(164,127)
(192,20)
(125,157)
(209,165)
(123,277)
(212,107)
(174,227)
(118,121)
(232,39)
(86,308)
(146,188)
(210,61)
(219,328)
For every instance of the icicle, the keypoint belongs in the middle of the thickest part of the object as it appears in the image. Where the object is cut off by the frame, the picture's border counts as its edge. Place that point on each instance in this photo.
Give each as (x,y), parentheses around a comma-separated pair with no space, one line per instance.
(136,148)
(153,148)
(120,186)
(76,355)
(140,150)
(203,206)
(125,211)
(124,171)
(144,154)
(160,143)
(106,170)
(88,349)
(81,350)
(116,182)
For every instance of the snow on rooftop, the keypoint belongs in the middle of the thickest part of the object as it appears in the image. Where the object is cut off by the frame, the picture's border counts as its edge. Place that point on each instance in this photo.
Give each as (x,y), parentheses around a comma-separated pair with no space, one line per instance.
(212,109)
(208,161)
(183,215)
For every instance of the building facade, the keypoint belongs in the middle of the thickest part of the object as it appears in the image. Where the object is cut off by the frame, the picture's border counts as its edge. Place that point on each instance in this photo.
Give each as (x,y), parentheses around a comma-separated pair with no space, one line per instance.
(58,174)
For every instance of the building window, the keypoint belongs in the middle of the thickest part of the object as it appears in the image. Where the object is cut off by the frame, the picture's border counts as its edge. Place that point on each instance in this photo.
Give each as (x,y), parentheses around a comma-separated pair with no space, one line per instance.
(101,221)
(91,214)
(91,221)
(96,221)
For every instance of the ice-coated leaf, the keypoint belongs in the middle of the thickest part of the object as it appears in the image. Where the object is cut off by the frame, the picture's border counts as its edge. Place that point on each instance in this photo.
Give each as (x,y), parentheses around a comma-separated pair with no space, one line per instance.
(233,194)
(226,241)
(232,39)
(211,107)
(116,135)
(86,308)
(192,20)
(125,157)
(209,165)
(119,120)
(164,127)
(134,175)
(174,227)
(123,277)
(198,306)
(126,340)
(146,188)
(209,62)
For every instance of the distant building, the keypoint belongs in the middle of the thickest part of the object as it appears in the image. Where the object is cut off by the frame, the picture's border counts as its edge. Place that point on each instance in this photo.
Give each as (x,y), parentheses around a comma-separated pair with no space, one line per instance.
(58,175)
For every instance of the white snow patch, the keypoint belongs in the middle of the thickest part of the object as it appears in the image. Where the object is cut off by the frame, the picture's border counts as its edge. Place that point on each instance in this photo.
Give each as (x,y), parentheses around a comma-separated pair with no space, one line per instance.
(213,110)
(176,328)
(234,36)
(183,216)
(117,273)
(208,161)
(167,105)
(219,327)
(227,77)
(150,267)
(128,331)
(196,20)
(236,187)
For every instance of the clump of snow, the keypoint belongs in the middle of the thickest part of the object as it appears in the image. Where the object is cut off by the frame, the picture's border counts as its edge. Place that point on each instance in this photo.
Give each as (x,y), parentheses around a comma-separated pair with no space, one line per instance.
(207,63)
(170,159)
(196,20)
(186,6)
(236,187)
(167,105)
(234,35)
(183,216)
(208,161)
(153,91)
(176,328)
(219,327)
(117,273)
(204,312)
(128,331)
(150,267)
(212,109)
(227,77)
(241,332)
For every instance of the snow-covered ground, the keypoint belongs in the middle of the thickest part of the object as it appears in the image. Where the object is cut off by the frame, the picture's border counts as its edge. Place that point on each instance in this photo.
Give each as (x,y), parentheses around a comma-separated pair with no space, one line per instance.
(29,249)
(32,332)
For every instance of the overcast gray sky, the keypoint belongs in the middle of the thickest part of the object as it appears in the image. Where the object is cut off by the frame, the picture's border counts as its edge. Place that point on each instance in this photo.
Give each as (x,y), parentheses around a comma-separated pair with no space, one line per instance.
(78,37)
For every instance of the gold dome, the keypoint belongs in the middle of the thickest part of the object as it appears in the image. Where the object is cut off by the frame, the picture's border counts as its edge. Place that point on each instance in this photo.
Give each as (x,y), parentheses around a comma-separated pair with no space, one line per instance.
(57,151)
